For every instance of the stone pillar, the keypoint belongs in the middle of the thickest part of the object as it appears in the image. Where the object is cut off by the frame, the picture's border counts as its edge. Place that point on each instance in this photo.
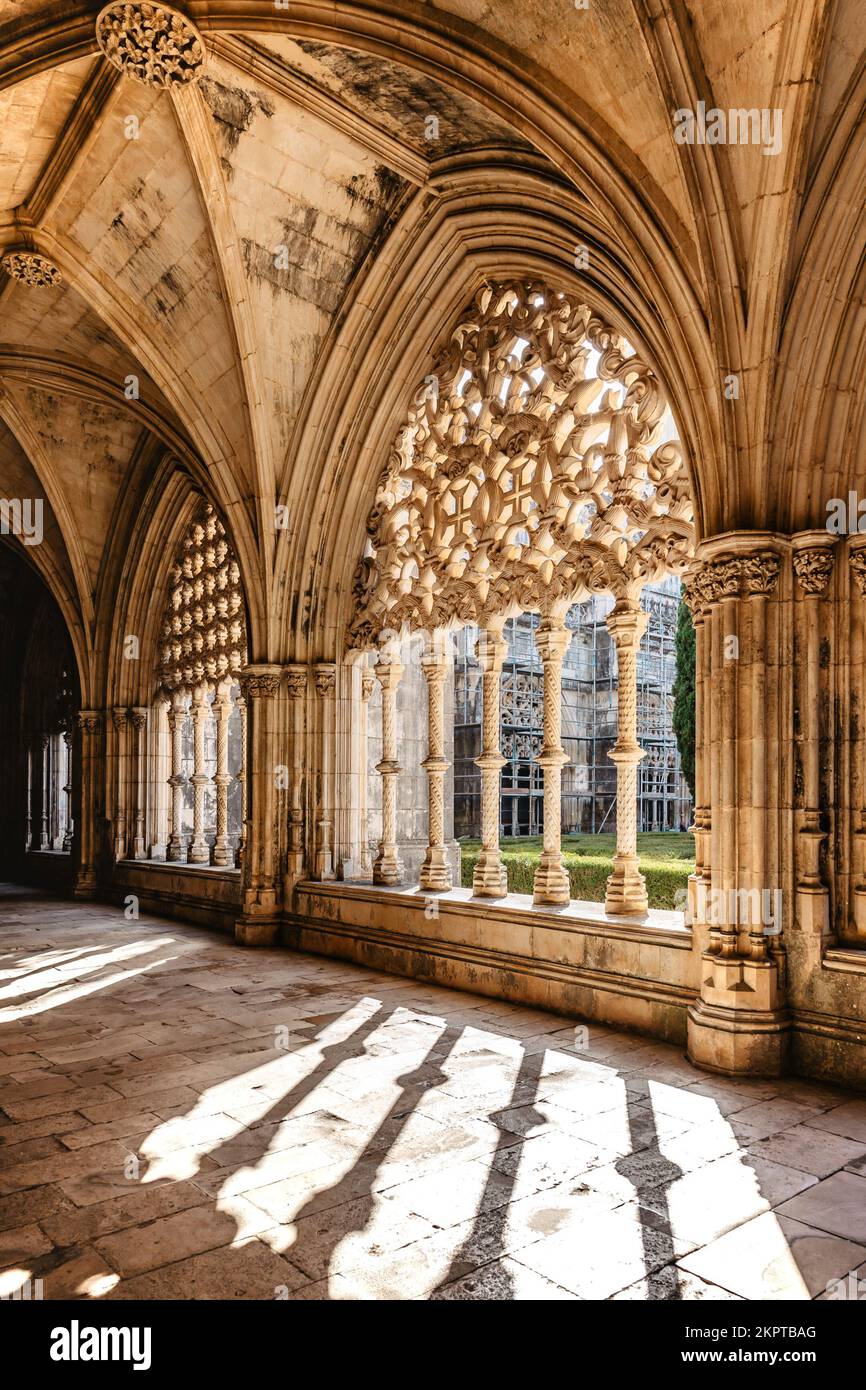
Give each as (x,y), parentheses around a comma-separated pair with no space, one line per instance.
(90,726)
(260,886)
(813,566)
(853,924)
(435,874)
(325,675)
(176,848)
(739,1024)
(551,877)
(368,680)
(626,887)
(693,598)
(223,854)
(199,850)
(68,822)
(297,684)
(241,776)
(138,719)
(118,722)
(388,867)
(490,879)
(45,797)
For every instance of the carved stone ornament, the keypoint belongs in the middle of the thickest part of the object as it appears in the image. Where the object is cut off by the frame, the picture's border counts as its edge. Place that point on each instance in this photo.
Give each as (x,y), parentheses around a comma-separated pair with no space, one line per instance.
(154,44)
(857,561)
(326,678)
(31,268)
(204,636)
(734,576)
(89,721)
(538,463)
(257,684)
(813,569)
(296,682)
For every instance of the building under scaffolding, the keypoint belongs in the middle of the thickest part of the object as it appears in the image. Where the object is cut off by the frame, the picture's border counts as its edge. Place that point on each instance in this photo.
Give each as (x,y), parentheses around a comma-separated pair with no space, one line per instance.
(589,717)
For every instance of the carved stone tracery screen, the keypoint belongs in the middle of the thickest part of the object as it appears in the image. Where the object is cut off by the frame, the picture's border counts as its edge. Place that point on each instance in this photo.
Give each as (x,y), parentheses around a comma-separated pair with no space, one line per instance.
(538,463)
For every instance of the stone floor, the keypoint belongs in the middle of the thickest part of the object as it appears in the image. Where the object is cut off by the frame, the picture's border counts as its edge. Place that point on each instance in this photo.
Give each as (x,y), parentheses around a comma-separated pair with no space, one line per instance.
(185,1119)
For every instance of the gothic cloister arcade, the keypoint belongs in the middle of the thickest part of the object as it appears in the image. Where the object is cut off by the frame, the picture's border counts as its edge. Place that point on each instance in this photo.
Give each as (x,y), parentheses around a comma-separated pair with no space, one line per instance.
(329,331)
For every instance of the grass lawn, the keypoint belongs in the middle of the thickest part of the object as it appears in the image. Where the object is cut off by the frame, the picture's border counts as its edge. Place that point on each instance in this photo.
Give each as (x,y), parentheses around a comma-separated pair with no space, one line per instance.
(665,860)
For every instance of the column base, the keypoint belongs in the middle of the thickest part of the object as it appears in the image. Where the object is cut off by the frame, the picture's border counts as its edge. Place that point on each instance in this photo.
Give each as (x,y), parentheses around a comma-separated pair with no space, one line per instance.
(85,884)
(388,869)
(490,878)
(739,1026)
(255,932)
(738,1043)
(175,854)
(625,894)
(435,875)
(551,884)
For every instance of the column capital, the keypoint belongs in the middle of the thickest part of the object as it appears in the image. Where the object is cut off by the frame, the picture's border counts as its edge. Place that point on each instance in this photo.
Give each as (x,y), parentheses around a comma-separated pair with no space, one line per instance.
(297,679)
(325,676)
(553,641)
(89,720)
(491,649)
(627,623)
(388,673)
(260,681)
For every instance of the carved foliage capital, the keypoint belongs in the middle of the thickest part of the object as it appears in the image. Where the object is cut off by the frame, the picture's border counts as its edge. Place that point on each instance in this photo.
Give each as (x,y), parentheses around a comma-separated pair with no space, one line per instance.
(813,569)
(734,576)
(89,721)
(857,561)
(326,679)
(259,685)
(296,682)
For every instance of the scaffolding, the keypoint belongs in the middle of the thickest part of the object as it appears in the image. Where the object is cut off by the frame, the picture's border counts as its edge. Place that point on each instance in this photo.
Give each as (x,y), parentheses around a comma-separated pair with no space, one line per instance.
(589,724)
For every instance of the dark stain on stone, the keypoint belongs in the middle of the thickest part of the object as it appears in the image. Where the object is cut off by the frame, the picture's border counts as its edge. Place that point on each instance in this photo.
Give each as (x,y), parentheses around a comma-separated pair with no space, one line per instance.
(233,109)
(168,292)
(403,101)
(825,654)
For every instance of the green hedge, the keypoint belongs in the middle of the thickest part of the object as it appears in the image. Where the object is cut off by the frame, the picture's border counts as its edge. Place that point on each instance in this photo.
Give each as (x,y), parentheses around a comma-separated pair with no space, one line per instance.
(588,875)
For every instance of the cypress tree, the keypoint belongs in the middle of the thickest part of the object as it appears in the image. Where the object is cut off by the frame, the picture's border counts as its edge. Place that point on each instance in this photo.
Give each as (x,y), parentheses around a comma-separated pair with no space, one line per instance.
(684,694)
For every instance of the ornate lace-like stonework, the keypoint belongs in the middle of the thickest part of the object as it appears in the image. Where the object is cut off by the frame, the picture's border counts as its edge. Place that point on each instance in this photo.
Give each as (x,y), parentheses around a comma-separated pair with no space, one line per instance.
(204,638)
(152,43)
(538,464)
(31,268)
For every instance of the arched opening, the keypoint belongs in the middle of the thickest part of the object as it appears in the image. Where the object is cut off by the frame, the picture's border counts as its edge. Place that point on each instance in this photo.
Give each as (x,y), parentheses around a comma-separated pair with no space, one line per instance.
(39,704)
(538,470)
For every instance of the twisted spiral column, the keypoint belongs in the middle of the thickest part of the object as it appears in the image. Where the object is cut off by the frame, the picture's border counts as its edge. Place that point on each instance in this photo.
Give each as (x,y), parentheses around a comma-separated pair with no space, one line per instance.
(199,850)
(490,879)
(176,848)
(551,877)
(436,870)
(626,887)
(222,706)
(387,866)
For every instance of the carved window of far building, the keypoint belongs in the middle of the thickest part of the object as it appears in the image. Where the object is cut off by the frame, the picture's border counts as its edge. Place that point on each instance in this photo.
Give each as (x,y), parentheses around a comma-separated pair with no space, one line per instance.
(199,801)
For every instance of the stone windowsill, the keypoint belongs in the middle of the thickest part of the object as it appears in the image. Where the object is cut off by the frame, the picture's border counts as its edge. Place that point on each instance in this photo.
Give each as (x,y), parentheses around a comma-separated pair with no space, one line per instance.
(658,924)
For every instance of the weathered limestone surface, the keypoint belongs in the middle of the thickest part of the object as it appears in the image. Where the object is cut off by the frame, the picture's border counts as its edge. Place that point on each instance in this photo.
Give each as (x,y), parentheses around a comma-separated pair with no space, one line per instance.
(187,1120)
(245,271)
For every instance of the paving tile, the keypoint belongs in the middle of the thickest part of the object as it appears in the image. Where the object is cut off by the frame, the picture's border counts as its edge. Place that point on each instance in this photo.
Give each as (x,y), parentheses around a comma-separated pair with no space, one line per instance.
(774,1258)
(815,1151)
(409,1142)
(837,1205)
(849,1120)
